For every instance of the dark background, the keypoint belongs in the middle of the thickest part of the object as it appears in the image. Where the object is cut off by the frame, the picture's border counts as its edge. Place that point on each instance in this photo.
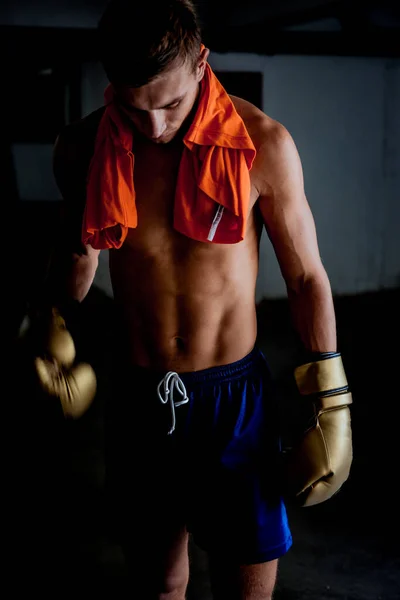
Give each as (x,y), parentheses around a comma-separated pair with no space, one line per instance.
(53,518)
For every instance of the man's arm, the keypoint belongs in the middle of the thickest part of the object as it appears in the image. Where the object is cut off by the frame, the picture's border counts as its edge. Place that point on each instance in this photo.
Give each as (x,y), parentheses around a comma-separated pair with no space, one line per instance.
(77,263)
(291,229)
(320,457)
(54,314)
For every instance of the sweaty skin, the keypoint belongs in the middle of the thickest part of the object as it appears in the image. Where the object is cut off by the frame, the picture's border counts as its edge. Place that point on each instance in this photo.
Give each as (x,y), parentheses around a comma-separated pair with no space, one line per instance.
(187,305)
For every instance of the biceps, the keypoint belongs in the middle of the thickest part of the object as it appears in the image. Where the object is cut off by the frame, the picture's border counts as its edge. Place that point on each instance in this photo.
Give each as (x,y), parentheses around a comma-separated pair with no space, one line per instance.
(291,228)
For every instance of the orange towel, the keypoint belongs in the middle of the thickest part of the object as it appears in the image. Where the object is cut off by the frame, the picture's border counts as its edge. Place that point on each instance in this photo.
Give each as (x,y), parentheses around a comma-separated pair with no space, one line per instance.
(213,186)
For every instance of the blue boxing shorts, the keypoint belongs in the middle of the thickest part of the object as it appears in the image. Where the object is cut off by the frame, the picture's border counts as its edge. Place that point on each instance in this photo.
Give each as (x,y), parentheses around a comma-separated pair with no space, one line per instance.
(201,450)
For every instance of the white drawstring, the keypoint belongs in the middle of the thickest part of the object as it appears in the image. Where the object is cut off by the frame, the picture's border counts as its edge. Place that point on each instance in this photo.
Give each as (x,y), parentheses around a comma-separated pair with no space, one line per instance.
(174,381)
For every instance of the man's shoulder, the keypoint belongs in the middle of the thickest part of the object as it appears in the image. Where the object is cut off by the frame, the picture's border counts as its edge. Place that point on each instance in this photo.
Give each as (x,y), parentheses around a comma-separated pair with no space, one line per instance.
(75,142)
(277,154)
(262,129)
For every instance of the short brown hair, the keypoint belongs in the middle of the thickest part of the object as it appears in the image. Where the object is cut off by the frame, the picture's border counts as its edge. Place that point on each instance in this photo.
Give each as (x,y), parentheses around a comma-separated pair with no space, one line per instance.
(139,39)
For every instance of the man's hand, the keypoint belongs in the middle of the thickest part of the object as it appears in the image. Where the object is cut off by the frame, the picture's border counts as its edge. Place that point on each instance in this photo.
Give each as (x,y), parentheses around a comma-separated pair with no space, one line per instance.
(73,385)
(319,463)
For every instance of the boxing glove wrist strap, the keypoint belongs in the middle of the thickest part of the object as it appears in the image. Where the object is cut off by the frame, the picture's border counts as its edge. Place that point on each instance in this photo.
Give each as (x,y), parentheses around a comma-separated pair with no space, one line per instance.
(324,376)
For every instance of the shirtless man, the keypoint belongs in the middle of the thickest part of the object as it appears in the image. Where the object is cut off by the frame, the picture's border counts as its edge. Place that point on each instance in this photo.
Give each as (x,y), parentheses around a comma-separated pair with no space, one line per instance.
(187,308)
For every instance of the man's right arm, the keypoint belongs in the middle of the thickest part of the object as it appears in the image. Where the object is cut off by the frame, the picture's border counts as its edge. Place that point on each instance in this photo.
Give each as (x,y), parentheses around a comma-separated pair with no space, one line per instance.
(74,265)
(72,268)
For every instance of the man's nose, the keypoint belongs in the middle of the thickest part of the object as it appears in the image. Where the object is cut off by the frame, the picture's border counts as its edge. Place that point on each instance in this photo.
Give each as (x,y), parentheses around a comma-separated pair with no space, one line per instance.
(156,124)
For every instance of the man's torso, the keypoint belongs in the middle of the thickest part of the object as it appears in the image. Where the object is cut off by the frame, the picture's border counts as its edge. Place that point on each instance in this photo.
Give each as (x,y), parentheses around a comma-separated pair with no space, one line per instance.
(185,305)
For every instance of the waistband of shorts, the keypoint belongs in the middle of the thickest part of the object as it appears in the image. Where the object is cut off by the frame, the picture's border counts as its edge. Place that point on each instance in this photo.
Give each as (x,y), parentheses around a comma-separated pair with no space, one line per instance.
(236,369)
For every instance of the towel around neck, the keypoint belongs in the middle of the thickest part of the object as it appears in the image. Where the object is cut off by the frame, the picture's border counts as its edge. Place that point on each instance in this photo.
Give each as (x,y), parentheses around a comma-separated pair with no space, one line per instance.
(213,185)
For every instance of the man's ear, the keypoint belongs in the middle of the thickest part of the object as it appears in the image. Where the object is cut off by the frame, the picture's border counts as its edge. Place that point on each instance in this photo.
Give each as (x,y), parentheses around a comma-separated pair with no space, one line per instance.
(201,65)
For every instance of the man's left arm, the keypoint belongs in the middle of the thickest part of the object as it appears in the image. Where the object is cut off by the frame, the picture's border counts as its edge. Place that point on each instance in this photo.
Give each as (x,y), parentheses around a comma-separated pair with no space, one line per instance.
(290,226)
(319,463)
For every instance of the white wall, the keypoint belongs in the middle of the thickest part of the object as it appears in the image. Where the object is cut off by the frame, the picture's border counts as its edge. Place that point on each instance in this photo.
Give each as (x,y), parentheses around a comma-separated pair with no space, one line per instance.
(34,173)
(343,115)
(94,82)
(391,165)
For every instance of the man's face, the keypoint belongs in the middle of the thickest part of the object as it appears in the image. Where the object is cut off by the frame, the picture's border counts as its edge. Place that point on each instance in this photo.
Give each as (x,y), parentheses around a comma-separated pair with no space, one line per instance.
(159,108)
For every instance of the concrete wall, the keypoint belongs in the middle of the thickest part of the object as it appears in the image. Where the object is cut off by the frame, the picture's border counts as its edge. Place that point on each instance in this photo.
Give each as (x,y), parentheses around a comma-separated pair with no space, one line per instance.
(343,115)
(33,169)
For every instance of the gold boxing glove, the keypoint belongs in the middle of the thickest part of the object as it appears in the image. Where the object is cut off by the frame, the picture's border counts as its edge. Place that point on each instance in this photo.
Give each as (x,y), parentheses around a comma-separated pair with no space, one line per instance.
(319,463)
(73,385)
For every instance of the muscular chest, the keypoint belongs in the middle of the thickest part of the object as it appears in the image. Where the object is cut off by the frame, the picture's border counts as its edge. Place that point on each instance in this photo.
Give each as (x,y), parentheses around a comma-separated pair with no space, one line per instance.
(155,177)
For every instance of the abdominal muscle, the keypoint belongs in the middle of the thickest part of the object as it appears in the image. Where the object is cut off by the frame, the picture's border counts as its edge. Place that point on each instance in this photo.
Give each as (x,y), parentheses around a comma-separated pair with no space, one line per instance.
(186,305)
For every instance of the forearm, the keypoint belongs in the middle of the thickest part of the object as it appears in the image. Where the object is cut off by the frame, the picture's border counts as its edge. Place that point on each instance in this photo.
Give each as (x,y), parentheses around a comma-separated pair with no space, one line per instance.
(69,278)
(313,315)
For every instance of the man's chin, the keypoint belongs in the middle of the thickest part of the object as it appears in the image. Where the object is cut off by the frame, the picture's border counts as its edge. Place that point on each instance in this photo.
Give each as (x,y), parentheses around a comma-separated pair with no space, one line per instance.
(164,139)
(161,141)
